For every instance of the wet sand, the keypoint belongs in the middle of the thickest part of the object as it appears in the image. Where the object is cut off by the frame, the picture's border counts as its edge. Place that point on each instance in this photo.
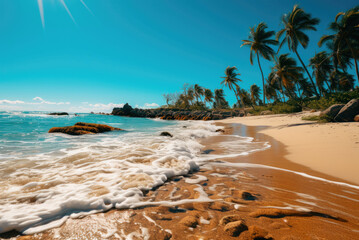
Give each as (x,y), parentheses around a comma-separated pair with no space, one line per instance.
(246,197)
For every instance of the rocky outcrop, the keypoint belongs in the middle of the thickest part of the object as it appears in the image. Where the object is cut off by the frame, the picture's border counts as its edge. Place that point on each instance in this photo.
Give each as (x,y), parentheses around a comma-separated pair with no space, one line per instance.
(81,128)
(332,111)
(59,114)
(342,112)
(175,114)
(348,112)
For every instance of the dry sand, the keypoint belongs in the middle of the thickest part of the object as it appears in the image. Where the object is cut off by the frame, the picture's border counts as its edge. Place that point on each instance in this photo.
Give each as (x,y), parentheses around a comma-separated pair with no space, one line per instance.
(330,148)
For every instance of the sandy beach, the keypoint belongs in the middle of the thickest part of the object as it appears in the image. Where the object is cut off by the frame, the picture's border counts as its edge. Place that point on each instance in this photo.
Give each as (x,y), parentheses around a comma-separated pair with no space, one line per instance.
(260,195)
(329,148)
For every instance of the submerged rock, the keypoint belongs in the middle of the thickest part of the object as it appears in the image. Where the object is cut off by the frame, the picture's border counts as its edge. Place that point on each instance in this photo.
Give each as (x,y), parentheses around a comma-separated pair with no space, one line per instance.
(348,112)
(166,134)
(59,114)
(81,128)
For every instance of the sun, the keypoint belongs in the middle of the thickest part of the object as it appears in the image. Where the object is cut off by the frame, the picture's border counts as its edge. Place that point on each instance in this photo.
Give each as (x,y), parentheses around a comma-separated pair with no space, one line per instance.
(41,9)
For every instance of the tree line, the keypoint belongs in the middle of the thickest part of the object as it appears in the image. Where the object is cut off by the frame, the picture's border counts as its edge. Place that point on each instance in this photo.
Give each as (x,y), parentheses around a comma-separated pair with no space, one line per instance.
(326,72)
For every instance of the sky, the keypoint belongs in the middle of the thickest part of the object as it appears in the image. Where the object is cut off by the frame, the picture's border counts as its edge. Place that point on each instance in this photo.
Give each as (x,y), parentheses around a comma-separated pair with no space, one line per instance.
(93,55)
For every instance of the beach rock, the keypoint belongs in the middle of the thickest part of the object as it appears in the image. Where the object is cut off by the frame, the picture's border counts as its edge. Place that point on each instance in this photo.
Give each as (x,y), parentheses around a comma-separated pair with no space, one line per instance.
(348,112)
(220,206)
(247,196)
(332,111)
(81,128)
(234,229)
(356,118)
(220,130)
(266,112)
(59,114)
(255,232)
(229,218)
(166,134)
(189,221)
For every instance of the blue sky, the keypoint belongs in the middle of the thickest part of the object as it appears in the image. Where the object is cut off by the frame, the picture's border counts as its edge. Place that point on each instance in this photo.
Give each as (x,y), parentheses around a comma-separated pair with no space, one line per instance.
(132,51)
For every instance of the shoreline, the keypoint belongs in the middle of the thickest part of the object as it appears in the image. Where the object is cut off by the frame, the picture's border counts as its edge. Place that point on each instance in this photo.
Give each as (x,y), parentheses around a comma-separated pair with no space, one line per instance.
(331,149)
(194,205)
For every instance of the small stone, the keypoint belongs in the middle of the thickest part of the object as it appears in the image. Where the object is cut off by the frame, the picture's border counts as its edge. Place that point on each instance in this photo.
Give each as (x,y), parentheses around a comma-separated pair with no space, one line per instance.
(234,229)
(356,118)
(189,221)
(219,206)
(229,218)
(166,134)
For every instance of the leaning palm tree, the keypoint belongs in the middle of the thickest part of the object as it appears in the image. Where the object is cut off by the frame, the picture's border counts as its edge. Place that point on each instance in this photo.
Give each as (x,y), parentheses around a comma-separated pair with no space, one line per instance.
(255,92)
(346,34)
(245,98)
(219,100)
(198,92)
(287,73)
(231,79)
(208,95)
(322,68)
(260,41)
(295,23)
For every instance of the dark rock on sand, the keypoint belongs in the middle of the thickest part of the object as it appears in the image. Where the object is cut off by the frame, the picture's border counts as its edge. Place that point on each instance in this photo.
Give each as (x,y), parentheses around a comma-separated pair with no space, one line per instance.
(234,229)
(220,130)
(348,112)
(59,114)
(247,196)
(81,128)
(166,134)
(332,111)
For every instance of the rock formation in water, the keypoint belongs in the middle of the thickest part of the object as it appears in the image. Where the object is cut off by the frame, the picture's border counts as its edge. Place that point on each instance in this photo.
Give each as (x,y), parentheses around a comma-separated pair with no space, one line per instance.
(59,114)
(176,114)
(81,128)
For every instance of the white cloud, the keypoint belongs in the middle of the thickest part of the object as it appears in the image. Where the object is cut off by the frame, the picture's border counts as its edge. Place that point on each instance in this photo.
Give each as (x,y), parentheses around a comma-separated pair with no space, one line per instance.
(42,101)
(151,105)
(11,102)
(106,106)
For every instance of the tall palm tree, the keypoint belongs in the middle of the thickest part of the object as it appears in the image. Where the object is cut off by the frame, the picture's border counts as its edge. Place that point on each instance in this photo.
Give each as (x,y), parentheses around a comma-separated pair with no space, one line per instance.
(322,67)
(346,34)
(208,95)
(219,100)
(231,79)
(287,73)
(295,23)
(260,41)
(245,97)
(255,92)
(198,92)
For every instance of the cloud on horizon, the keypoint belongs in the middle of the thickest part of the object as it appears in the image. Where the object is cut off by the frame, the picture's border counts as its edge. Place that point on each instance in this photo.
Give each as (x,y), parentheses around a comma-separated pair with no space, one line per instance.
(40,104)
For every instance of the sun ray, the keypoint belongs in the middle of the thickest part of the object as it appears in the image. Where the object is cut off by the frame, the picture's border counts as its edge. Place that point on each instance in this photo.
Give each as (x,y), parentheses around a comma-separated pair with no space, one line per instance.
(41,8)
(68,10)
(88,9)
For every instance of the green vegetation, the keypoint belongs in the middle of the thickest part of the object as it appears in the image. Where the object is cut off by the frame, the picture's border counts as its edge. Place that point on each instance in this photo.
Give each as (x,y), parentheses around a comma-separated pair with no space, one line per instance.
(289,87)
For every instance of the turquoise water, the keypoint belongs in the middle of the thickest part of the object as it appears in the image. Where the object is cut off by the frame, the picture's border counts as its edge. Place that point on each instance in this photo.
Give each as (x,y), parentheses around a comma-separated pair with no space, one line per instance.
(45,178)
(25,133)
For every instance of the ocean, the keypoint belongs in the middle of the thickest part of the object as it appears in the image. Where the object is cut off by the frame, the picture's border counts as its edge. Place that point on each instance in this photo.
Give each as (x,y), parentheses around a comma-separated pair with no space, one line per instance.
(45,178)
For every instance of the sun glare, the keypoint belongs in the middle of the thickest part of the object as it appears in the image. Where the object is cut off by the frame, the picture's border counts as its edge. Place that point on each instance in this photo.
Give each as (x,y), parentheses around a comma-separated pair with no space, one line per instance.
(41,9)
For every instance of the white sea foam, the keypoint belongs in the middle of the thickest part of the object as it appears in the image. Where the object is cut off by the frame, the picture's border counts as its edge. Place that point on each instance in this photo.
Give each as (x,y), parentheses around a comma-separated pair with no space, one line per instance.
(41,191)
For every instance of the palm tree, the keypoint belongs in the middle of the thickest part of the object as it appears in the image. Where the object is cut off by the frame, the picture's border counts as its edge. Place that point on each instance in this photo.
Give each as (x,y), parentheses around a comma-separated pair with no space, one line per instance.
(208,95)
(346,34)
(219,100)
(322,67)
(198,92)
(295,23)
(245,97)
(287,73)
(231,79)
(255,92)
(260,41)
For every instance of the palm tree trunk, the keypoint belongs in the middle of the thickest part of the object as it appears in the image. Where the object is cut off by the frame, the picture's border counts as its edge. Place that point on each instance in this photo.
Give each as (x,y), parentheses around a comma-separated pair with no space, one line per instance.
(355,59)
(235,93)
(310,77)
(264,90)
